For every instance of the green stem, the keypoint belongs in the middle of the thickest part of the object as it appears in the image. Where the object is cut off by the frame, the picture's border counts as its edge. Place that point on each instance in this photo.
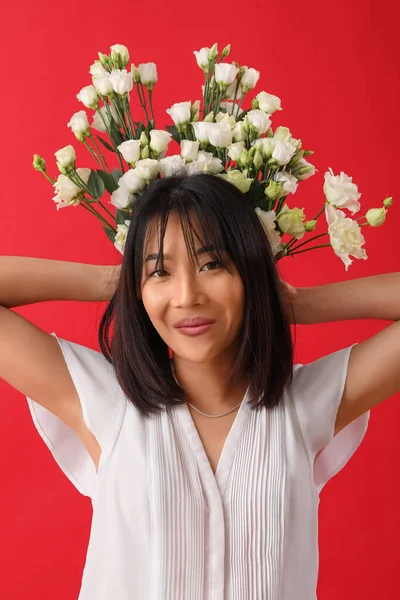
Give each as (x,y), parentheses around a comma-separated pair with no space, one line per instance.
(96,214)
(310,240)
(52,181)
(235,96)
(239,106)
(93,153)
(144,104)
(93,140)
(307,249)
(151,107)
(320,213)
(106,209)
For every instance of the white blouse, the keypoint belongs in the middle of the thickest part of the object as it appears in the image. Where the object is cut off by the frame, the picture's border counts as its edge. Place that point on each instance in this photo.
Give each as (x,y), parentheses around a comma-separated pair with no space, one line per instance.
(164,527)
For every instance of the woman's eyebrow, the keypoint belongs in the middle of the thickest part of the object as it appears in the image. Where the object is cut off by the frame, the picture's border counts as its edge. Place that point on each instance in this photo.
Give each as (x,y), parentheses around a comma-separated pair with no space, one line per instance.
(198,252)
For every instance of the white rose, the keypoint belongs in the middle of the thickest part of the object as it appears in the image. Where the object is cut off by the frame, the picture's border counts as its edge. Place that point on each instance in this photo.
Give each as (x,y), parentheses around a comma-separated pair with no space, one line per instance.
(148,169)
(65,157)
(122,234)
(121,53)
(225,74)
(341,192)
(289,182)
(220,135)
(97,69)
(237,178)
(259,120)
(235,150)
(202,131)
(130,151)
(180,113)
(159,140)
(68,193)
(304,170)
(189,150)
(239,134)
(103,85)
(171,165)
(121,81)
(202,58)
(249,80)
(148,74)
(345,236)
(291,221)
(79,125)
(101,114)
(205,162)
(268,102)
(268,220)
(121,198)
(283,152)
(131,181)
(88,96)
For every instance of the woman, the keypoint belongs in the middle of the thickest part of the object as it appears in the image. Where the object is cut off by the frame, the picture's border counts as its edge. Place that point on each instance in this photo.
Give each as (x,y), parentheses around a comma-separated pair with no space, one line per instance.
(204,470)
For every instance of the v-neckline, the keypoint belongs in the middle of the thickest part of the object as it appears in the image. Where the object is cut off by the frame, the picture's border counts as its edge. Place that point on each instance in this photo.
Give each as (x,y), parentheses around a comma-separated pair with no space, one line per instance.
(229,447)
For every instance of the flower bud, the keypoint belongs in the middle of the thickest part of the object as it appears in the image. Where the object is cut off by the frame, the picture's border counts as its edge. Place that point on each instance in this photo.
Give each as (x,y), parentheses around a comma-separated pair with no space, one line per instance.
(310,225)
(291,221)
(103,59)
(238,179)
(376,216)
(258,160)
(145,153)
(135,74)
(212,83)
(273,191)
(148,74)
(209,118)
(39,163)
(195,111)
(255,105)
(226,51)
(245,159)
(388,201)
(144,140)
(65,159)
(213,53)
(120,55)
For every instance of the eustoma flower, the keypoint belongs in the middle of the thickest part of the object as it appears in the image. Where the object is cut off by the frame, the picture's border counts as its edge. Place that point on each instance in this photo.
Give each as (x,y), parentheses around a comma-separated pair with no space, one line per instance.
(345,236)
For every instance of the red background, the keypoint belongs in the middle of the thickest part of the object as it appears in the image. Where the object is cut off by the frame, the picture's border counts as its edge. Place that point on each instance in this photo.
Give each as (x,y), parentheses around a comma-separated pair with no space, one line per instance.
(335,67)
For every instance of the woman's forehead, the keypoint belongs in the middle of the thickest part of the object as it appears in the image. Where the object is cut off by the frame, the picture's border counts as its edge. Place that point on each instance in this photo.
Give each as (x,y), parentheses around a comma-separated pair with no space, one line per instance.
(173,234)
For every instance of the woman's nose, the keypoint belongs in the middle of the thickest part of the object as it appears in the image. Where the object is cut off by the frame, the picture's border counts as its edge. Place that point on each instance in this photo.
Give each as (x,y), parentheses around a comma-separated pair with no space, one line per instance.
(187,291)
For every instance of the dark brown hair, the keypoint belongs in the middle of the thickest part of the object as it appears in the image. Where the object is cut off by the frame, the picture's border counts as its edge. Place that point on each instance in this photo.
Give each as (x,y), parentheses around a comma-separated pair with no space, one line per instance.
(127,337)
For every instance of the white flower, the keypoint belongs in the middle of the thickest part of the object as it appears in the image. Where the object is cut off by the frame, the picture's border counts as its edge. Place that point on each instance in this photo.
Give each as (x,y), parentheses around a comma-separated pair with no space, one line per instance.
(259,120)
(97,69)
(65,157)
(229,93)
(103,85)
(121,198)
(225,74)
(180,113)
(220,135)
(249,80)
(237,178)
(202,131)
(341,192)
(235,150)
(79,125)
(148,74)
(345,236)
(283,152)
(121,81)
(268,102)
(202,58)
(68,193)
(291,221)
(222,117)
(159,140)
(239,134)
(122,234)
(266,146)
(289,182)
(148,169)
(130,150)
(171,165)
(268,220)
(231,108)
(131,181)
(103,112)
(376,216)
(120,53)
(189,150)
(88,96)
(205,162)
(304,170)
(283,134)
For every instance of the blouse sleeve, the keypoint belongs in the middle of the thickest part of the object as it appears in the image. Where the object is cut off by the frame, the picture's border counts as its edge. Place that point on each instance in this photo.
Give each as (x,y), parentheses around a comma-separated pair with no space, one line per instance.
(317,390)
(103,406)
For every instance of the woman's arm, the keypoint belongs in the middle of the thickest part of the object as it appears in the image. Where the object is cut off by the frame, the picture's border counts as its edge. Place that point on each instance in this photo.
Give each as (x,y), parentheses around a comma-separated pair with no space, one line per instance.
(26,280)
(374,366)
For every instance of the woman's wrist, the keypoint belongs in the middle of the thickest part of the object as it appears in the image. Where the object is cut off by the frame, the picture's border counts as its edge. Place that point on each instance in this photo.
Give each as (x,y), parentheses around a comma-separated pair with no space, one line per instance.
(110,275)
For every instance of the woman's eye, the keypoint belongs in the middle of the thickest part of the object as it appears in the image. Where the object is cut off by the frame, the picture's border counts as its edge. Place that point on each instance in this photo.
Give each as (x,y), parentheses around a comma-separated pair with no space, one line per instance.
(159,274)
(211,266)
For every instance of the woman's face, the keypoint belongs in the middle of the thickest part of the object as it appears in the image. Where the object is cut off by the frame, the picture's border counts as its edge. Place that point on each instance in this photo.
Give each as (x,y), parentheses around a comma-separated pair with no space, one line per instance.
(196,309)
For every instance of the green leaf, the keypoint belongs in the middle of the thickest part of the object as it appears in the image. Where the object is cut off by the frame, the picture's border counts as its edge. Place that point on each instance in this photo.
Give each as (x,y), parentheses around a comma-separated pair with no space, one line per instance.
(140,129)
(173,130)
(122,216)
(117,174)
(110,234)
(242,115)
(95,185)
(106,144)
(109,182)
(115,134)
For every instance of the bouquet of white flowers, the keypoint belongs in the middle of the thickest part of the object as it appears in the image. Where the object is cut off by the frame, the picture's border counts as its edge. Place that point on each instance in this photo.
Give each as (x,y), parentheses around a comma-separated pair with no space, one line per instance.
(216,135)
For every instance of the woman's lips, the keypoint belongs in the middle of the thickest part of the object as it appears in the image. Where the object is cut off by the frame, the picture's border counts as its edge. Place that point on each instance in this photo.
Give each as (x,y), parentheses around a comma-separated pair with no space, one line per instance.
(195,330)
